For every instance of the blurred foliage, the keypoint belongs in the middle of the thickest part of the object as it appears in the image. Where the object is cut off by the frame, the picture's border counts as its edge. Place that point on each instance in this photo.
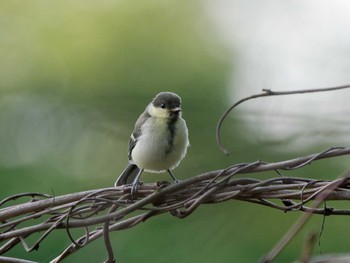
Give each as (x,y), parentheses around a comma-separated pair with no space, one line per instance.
(75,75)
(71,75)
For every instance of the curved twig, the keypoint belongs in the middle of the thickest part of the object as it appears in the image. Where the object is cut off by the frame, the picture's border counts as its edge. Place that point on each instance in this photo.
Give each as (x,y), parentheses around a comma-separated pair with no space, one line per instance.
(265,93)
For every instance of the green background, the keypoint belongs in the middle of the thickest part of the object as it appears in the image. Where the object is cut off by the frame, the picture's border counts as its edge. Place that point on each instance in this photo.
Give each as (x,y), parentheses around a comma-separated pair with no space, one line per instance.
(75,75)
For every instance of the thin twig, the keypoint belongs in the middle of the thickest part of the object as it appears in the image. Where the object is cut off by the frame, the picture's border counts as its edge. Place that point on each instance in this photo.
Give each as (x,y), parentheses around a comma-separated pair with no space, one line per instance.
(301,222)
(14,260)
(108,245)
(265,93)
(309,245)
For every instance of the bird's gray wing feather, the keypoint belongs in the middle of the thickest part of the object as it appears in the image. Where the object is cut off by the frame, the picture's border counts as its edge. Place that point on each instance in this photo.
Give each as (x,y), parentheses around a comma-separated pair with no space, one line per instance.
(131,171)
(137,132)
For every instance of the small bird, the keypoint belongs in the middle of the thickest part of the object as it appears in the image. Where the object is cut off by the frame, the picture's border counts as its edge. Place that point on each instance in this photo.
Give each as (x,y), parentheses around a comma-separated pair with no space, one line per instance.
(159,141)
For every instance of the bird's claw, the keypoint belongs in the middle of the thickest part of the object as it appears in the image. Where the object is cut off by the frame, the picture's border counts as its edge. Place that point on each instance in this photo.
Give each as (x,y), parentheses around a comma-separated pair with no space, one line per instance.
(135,187)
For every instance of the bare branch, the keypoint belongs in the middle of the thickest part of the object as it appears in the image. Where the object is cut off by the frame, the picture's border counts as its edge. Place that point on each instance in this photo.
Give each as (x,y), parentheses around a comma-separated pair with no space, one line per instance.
(309,245)
(266,93)
(112,209)
(14,260)
(322,193)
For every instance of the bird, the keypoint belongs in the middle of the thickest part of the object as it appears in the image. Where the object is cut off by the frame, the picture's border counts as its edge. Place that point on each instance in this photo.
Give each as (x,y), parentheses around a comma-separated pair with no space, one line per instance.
(158,142)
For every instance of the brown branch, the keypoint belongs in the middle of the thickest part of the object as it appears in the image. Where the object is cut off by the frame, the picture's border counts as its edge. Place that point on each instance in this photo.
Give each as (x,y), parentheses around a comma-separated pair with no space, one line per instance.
(14,260)
(83,209)
(110,254)
(265,93)
(309,245)
(323,193)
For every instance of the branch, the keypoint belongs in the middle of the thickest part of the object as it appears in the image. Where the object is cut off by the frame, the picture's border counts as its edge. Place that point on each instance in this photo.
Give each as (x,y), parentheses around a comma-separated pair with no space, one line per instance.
(266,93)
(303,219)
(88,208)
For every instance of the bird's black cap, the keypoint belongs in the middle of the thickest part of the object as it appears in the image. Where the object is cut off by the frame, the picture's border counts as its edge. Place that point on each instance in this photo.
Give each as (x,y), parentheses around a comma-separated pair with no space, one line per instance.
(167,100)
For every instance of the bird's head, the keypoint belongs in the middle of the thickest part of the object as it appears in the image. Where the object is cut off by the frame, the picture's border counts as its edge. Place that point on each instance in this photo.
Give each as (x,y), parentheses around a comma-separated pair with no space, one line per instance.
(165,105)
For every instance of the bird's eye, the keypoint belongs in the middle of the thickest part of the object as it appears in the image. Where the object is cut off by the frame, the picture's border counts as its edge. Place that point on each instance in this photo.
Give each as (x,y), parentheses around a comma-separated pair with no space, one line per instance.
(162,106)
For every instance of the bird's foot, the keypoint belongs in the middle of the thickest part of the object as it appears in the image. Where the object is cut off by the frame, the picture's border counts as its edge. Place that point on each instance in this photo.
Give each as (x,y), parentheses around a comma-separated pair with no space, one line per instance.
(162,184)
(135,186)
(173,177)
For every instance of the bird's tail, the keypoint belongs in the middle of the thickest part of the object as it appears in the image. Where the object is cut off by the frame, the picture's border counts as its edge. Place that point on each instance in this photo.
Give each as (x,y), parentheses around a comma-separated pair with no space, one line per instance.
(128,175)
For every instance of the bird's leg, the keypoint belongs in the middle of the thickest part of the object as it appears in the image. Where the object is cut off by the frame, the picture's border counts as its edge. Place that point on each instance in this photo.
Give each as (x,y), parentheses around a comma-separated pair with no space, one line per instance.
(173,176)
(136,182)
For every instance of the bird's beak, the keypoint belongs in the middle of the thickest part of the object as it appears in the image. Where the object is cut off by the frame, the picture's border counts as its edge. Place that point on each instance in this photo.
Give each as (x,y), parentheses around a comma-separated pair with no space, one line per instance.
(177,109)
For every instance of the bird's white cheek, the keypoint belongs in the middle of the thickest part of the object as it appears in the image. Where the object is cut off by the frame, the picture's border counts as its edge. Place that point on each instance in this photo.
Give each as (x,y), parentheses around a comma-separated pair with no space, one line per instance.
(157,112)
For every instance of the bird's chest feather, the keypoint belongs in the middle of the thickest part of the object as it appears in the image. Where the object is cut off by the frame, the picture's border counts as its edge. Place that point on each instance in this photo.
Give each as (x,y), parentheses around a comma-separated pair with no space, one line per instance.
(162,144)
(156,136)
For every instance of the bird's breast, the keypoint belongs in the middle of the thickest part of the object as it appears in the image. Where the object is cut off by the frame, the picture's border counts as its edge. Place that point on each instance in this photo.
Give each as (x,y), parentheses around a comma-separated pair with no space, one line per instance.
(162,144)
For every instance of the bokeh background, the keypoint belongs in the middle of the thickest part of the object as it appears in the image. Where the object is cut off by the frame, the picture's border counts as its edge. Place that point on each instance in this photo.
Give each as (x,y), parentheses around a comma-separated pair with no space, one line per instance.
(75,75)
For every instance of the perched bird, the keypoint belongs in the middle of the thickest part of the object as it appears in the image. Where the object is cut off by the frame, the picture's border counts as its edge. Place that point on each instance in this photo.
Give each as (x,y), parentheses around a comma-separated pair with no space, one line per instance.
(159,140)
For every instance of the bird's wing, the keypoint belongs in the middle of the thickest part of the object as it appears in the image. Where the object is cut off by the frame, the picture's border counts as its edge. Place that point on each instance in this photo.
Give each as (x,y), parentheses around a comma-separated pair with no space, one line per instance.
(137,131)
(131,171)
